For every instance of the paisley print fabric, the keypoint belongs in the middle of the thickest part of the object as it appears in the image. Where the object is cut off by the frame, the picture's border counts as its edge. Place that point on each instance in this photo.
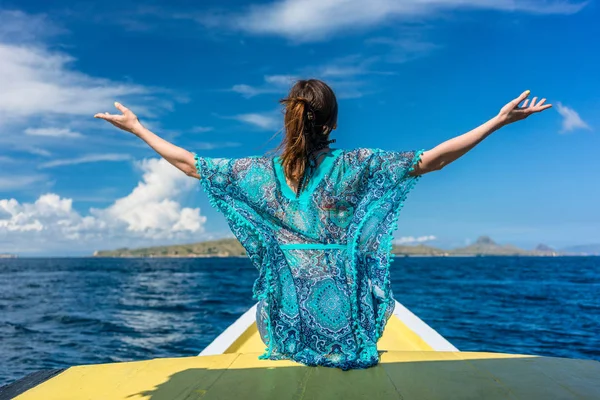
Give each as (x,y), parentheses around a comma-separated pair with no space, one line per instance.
(323,285)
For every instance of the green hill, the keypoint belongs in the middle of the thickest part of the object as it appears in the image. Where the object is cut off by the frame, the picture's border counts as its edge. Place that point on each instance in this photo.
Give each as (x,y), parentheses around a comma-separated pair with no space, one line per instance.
(214,248)
(418,250)
(232,248)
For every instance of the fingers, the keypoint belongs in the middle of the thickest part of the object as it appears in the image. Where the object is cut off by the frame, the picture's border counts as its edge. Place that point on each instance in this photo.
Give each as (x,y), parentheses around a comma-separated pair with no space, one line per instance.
(107,117)
(121,107)
(522,97)
(532,104)
(547,106)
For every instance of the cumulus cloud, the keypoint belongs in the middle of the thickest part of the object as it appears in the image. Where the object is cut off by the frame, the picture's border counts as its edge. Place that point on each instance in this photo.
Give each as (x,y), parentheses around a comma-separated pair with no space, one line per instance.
(413,240)
(570,119)
(150,212)
(308,20)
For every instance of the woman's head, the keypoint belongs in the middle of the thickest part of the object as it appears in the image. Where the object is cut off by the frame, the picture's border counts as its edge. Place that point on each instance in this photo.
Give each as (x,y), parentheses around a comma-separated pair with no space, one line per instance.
(311,112)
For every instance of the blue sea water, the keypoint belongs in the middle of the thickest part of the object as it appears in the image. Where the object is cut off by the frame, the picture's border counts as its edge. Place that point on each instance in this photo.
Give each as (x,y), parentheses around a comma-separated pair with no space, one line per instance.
(59,312)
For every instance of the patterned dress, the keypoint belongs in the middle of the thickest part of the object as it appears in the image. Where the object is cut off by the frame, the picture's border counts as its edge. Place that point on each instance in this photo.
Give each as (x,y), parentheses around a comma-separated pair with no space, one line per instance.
(323,285)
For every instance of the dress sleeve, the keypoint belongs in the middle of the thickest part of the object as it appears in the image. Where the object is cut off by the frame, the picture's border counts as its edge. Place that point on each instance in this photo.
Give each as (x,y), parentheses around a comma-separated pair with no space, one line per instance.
(387,185)
(389,171)
(387,182)
(231,188)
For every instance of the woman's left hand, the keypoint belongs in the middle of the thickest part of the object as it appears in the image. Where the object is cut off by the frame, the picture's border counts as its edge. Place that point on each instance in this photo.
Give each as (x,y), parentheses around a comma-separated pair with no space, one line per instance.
(512,112)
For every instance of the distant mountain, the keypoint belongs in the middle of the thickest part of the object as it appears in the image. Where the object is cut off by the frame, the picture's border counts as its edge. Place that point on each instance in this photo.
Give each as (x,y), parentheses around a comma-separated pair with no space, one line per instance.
(544,250)
(586,249)
(486,246)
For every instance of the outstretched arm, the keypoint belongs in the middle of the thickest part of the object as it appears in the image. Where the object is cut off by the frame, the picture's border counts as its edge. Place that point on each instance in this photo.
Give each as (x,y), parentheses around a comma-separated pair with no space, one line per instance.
(451,150)
(128,121)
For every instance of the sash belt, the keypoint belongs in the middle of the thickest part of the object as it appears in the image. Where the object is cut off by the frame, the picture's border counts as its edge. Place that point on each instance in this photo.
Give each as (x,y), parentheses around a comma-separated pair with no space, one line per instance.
(313,246)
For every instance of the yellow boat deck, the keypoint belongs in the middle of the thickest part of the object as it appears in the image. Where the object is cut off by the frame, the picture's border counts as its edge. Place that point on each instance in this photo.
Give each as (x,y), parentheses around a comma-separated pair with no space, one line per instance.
(397,336)
(409,369)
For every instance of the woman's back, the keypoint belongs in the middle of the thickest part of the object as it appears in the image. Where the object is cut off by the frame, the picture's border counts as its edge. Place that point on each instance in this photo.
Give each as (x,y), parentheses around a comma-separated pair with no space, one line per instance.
(323,255)
(322,250)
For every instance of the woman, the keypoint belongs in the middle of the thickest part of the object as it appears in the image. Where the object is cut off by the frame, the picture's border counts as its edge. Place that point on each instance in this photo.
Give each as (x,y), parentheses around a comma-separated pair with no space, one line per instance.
(317,222)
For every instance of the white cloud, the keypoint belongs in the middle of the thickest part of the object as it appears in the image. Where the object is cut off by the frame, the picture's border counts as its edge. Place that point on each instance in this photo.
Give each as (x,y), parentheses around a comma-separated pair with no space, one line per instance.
(150,212)
(343,74)
(53,132)
(34,150)
(350,66)
(412,239)
(16,181)
(282,80)
(263,121)
(272,84)
(202,129)
(307,20)
(213,145)
(249,91)
(18,26)
(35,81)
(408,47)
(41,90)
(150,208)
(571,119)
(90,158)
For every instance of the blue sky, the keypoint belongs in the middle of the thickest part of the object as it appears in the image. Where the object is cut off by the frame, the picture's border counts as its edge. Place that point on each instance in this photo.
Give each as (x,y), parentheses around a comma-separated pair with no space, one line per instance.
(207,77)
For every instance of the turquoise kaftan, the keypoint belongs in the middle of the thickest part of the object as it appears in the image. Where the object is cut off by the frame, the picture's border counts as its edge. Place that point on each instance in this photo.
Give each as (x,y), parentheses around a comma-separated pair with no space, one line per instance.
(323,258)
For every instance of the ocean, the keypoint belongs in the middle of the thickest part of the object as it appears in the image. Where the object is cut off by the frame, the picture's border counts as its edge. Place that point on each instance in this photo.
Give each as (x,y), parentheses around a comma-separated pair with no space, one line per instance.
(58,312)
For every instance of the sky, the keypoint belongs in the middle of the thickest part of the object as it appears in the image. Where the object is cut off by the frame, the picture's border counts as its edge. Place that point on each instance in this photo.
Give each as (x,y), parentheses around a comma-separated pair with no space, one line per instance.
(207,77)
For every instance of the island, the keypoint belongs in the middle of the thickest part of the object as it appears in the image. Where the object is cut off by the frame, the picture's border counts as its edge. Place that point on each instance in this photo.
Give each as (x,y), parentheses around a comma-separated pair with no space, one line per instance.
(484,246)
(7,255)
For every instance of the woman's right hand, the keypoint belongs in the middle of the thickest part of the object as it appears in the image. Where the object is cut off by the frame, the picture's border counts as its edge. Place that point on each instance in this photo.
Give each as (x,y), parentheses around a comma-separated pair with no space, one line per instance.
(512,112)
(126,121)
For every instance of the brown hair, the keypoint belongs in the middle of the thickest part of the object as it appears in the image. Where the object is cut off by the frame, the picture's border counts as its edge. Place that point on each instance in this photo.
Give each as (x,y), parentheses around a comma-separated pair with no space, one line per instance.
(311,111)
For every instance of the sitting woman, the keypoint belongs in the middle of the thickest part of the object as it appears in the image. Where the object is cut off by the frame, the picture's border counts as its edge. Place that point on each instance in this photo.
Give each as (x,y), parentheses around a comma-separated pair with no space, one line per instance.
(317,223)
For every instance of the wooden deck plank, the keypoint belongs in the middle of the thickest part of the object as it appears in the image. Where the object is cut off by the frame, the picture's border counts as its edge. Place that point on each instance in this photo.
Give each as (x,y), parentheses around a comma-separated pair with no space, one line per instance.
(440,375)
(249,378)
(556,378)
(329,383)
